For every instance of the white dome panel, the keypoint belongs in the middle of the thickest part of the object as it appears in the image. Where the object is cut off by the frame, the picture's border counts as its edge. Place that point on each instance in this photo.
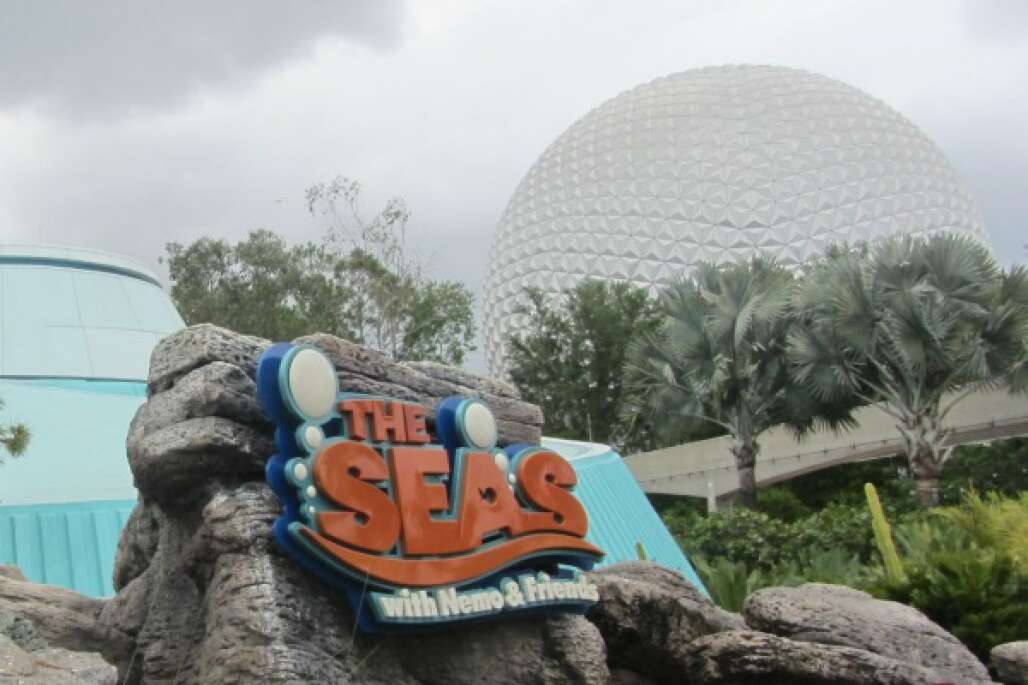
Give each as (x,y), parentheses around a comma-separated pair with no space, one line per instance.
(725,162)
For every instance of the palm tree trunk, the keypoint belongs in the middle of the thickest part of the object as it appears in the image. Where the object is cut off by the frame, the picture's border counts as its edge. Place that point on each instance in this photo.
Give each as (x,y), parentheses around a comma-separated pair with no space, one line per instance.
(744,449)
(926,451)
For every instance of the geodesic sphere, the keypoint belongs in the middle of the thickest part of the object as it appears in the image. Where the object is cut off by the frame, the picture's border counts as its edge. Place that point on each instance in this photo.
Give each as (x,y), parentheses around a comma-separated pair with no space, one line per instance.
(715,164)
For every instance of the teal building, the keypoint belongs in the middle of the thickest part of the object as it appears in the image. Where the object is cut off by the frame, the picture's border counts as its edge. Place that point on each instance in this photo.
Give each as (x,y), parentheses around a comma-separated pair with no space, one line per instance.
(76,331)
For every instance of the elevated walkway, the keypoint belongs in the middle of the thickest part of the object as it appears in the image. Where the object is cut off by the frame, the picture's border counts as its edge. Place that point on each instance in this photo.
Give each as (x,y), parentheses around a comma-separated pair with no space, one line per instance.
(706,468)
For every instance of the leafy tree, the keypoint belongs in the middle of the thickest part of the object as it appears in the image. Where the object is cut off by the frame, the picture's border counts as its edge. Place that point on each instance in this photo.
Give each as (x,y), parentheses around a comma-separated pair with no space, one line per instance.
(569,358)
(999,467)
(259,286)
(916,327)
(364,289)
(719,357)
(14,438)
(391,302)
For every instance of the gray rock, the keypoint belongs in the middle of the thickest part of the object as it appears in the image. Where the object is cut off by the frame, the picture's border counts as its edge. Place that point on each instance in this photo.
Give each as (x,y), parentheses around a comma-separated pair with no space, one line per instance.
(736,657)
(837,615)
(62,618)
(557,650)
(52,666)
(468,379)
(648,613)
(12,572)
(174,465)
(196,346)
(137,544)
(15,662)
(1011,662)
(621,676)
(217,389)
(21,631)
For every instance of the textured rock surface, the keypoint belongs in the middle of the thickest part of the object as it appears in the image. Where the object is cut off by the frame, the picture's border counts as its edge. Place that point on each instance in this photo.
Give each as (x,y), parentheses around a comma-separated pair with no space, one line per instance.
(648,616)
(26,659)
(63,618)
(204,595)
(1011,662)
(837,615)
(52,666)
(738,657)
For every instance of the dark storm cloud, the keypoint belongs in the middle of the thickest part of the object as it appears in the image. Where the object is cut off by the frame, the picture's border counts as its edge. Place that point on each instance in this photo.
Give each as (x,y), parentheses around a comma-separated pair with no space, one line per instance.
(105,56)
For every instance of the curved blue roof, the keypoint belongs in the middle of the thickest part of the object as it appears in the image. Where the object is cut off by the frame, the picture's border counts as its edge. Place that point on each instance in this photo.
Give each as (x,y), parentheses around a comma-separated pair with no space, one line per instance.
(72,313)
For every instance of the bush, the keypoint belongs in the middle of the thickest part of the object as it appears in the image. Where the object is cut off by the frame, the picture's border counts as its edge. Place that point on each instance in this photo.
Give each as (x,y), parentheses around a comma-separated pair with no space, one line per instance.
(1000,467)
(731,582)
(783,504)
(759,541)
(751,538)
(845,527)
(976,591)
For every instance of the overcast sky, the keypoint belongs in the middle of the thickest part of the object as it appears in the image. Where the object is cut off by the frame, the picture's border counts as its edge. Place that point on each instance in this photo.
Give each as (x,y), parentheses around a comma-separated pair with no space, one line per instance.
(125,125)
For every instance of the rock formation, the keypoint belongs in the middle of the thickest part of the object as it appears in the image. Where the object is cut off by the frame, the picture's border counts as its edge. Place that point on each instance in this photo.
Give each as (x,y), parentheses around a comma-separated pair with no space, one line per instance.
(834,615)
(1011,662)
(204,596)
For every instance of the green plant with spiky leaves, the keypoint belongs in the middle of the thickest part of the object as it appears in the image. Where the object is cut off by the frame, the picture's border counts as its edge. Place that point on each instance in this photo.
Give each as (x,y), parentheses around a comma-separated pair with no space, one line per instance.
(915,325)
(883,535)
(720,358)
(14,438)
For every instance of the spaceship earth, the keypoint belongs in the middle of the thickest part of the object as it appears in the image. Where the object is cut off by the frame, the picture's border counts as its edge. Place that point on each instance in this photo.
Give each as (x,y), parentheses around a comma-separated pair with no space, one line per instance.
(715,164)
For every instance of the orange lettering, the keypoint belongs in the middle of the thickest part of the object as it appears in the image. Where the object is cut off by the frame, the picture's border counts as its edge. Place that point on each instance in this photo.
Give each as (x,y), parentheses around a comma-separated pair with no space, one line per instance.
(486,504)
(414,418)
(358,411)
(386,420)
(543,477)
(342,472)
(417,500)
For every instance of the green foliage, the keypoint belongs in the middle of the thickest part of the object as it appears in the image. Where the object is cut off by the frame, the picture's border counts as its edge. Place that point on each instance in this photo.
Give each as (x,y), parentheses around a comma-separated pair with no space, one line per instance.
(358,283)
(966,581)
(783,504)
(846,527)
(1000,467)
(570,355)
(730,582)
(913,328)
(751,538)
(761,542)
(883,535)
(995,522)
(719,358)
(14,437)
(844,484)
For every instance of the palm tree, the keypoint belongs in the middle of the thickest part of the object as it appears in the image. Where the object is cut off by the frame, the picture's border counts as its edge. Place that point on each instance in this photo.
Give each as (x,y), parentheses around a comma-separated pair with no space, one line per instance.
(915,326)
(720,358)
(14,438)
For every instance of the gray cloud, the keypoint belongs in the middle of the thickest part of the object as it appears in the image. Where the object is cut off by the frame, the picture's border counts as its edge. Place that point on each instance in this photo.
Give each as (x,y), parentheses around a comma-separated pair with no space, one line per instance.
(115,57)
(448,108)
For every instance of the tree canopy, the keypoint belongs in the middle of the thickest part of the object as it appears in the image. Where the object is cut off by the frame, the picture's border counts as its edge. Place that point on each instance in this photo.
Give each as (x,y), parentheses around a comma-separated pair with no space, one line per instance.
(569,357)
(360,282)
(915,326)
(719,357)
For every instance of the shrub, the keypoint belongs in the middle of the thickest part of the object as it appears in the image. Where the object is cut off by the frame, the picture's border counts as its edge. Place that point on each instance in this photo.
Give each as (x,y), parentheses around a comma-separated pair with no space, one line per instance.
(845,527)
(783,504)
(963,571)
(1000,467)
(751,538)
(730,582)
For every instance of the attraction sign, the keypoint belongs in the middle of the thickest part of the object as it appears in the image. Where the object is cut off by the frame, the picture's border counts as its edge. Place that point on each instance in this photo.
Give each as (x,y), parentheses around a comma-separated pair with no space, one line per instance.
(418,521)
